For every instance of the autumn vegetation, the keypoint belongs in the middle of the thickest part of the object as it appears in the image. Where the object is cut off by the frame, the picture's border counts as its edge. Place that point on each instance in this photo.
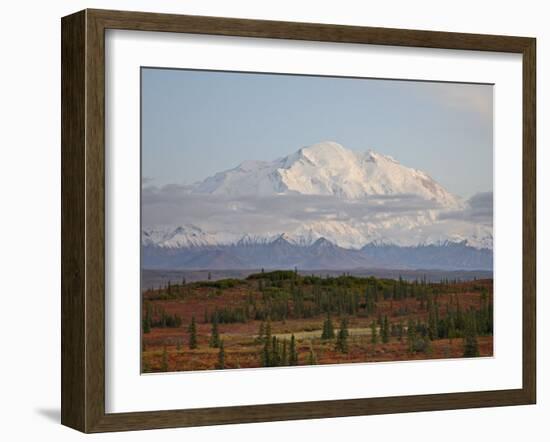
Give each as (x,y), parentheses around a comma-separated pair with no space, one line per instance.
(283,318)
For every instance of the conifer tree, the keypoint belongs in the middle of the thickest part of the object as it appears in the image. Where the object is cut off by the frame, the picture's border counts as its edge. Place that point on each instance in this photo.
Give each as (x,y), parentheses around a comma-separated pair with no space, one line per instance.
(266,354)
(146,326)
(485,320)
(328,329)
(284,354)
(471,349)
(148,320)
(293,353)
(215,336)
(432,319)
(373,336)
(385,330)
(342,340)
(369,299)
(193,334)
(275,356)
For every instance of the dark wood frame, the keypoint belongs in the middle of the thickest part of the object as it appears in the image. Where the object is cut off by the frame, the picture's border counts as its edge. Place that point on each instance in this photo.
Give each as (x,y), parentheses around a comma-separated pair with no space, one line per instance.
(83,217)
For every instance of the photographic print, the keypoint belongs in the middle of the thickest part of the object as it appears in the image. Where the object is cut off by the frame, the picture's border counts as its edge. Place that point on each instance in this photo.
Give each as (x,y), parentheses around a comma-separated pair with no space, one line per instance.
(298,220)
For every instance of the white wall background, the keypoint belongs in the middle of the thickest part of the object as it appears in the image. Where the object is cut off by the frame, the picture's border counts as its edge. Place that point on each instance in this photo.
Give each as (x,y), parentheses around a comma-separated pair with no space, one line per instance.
(30,216)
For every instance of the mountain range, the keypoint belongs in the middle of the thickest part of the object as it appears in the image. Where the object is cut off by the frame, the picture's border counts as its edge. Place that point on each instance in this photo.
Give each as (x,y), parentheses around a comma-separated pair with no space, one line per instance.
(322,207)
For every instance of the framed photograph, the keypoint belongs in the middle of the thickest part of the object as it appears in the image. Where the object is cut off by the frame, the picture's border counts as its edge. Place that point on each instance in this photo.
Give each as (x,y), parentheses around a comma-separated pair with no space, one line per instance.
(269,220)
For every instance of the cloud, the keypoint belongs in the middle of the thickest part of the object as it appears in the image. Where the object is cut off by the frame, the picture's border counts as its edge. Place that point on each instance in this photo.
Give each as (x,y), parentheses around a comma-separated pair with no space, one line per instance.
(402,219)
(479,209)
(173,205)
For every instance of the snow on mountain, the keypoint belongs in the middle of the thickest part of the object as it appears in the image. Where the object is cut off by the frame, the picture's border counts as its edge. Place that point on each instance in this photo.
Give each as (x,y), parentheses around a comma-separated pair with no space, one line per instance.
(184,236)
(344,234)
(337,233)
(248,239)
(375,189)
(327,168)
(321,254)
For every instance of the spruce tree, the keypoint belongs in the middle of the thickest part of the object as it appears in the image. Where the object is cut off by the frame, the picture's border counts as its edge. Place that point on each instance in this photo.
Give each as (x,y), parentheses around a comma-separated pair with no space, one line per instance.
(193,334)
(471,349)
(293,353)
(373,336)
(385,330)
(342,340)
(146,326)
(485,320)
(432,320)
(328,329)
(215,336)
(275,355)
(148,320)
(284,354)
(267,354)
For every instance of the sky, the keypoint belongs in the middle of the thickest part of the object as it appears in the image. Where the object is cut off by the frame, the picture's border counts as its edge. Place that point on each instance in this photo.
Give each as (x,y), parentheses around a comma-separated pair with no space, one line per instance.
(198,123)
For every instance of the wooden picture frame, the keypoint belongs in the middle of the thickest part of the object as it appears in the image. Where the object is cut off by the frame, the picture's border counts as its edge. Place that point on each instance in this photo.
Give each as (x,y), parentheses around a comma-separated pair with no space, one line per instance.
(83,220)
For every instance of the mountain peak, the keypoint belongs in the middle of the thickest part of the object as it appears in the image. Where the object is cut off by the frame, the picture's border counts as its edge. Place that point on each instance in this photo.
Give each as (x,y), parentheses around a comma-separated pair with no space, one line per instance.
(322,243)
(327,168)
(282,240)
(324,147)
(327,154)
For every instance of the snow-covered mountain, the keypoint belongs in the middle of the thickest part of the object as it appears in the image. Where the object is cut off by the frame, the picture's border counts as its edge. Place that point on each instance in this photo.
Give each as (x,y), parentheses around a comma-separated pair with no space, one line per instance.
(323,206)
(191,236)
(283,251)
(327,168)
(184,236)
